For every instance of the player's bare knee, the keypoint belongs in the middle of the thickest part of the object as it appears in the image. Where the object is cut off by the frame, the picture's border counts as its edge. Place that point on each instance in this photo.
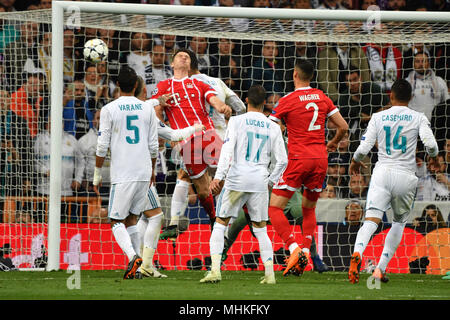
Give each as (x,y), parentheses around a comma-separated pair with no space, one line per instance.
(183,175)
(260,224)
(131,220)
(153,212)
(223,221)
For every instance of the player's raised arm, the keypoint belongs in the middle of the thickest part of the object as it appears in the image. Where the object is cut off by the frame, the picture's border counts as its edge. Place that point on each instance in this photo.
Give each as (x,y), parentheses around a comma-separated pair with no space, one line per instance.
(170,134)
(220,106)
(232,99)
(159,101)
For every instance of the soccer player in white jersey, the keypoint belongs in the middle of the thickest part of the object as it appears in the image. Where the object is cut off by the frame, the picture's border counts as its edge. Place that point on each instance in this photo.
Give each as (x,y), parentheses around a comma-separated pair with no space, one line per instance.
(181,191)
(393,182)
(149,225)
(128,127)
(251,142)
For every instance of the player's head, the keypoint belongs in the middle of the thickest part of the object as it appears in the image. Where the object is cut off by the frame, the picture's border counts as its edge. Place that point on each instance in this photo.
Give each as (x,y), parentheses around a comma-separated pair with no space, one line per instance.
(303,70)
(401,92)
(256,97)
(181,59)
(127,79)
(141,91)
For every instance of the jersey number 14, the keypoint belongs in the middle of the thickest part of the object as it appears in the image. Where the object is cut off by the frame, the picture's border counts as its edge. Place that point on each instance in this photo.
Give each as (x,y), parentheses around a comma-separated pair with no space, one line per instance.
(399,142)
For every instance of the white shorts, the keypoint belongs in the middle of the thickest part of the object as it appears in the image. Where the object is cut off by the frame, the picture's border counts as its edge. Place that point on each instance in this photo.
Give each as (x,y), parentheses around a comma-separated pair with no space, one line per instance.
(390,187)
(153,198)
(230,202)
(128,197)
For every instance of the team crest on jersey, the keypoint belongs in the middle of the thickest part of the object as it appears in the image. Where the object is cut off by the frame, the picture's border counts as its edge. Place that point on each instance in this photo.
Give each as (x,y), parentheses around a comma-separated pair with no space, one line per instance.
(189,86)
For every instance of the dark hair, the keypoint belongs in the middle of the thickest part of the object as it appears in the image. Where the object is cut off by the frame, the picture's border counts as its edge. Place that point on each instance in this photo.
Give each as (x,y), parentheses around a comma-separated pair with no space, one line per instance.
(422,52)
(194,60)
(189,52)
(353,69)
(402,91)
(127,79)
(139,87)
(305,69)
(256,95)
(441,222)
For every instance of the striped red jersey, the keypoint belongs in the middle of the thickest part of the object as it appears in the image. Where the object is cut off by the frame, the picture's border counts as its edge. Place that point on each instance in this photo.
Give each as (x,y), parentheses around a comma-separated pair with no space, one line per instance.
(305,112)
(188,105)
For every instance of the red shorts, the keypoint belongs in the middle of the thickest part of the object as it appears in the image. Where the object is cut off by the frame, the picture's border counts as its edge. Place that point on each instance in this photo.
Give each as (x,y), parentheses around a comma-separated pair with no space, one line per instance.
(304,172)
(200,151)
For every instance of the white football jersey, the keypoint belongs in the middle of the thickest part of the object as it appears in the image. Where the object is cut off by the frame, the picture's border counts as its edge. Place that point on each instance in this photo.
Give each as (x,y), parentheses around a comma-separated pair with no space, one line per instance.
(251,142)
(396,130)
(226,95)
(128,127)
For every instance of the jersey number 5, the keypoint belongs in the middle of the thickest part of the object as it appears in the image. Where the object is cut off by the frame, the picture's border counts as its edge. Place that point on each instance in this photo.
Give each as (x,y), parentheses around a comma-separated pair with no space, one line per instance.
(133,128)
(396,144)
(313,126)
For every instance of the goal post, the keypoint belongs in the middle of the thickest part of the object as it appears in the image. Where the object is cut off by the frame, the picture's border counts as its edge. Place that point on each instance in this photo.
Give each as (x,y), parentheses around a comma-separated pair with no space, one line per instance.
(211,24)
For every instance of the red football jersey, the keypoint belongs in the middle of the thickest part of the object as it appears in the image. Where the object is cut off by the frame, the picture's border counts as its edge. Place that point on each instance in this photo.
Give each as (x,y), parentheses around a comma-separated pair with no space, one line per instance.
(188,106)
(305,112)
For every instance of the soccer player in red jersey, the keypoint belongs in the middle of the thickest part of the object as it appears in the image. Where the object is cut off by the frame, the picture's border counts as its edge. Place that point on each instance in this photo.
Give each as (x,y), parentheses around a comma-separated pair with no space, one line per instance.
(304,111)
(187,107)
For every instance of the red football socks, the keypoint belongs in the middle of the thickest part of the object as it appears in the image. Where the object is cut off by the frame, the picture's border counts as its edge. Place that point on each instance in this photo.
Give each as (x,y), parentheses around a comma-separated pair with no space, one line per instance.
(308,226)
(281,225)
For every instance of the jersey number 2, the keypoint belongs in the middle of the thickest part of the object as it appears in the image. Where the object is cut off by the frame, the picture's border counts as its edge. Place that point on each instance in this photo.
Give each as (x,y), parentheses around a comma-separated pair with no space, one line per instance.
(313,126)
(133,128)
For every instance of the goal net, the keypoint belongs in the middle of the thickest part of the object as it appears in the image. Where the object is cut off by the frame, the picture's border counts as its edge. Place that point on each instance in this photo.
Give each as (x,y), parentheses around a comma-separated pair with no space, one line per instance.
(357,56)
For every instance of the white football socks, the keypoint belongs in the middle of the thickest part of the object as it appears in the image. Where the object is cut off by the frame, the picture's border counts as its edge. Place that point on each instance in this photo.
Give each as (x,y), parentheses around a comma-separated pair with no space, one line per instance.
(179,201)
(363,237)
(151,235)
(216,244)
(123,240)
(391,243)
(135,238)
(265,247)
(142,226)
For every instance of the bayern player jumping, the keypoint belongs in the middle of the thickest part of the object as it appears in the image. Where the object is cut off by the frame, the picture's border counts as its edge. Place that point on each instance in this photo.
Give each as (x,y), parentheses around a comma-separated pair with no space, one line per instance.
(186,108)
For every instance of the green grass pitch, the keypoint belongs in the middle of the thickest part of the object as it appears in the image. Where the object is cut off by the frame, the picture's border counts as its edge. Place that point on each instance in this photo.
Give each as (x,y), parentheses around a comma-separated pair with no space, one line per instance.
(235,285)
